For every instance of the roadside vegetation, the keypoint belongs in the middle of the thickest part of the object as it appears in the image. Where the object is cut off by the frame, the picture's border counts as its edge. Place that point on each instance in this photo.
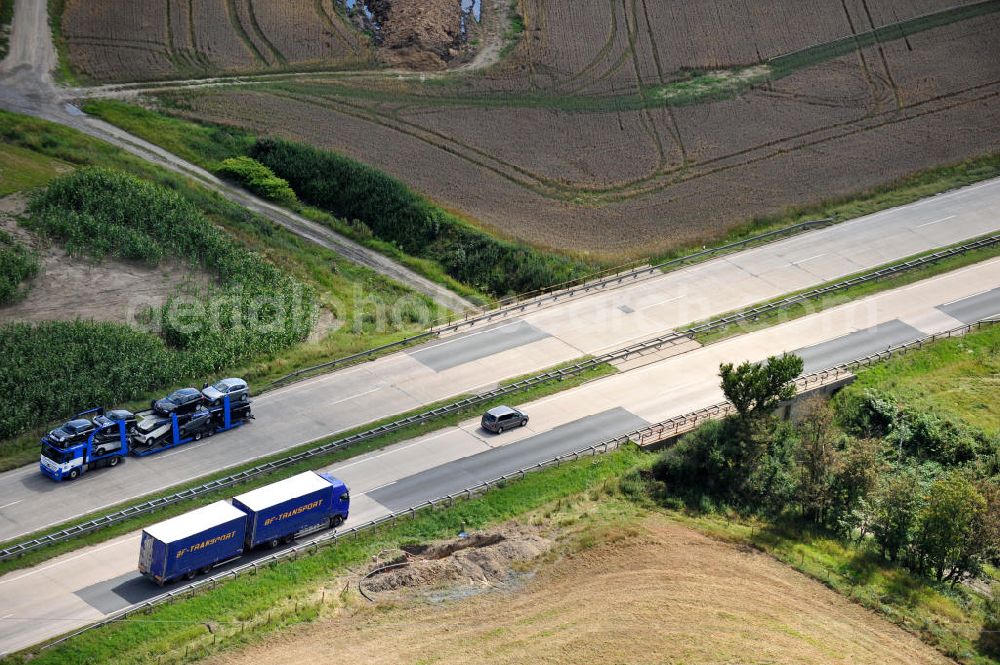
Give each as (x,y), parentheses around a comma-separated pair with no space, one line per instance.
(250,258)
(889,493)
(362,203)
(284,594)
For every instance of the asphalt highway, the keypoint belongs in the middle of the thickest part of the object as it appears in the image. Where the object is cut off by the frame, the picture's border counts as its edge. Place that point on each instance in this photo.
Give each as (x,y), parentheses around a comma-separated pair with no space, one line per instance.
(481,358)
(83,586)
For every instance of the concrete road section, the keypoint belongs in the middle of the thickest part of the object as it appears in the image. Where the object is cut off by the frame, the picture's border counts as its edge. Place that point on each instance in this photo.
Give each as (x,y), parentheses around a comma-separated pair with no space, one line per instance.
(974,308)
(481,358)
(79,587)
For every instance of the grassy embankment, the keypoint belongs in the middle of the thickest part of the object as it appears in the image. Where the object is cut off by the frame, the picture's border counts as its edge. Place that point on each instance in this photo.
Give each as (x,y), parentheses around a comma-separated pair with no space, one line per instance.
(343,288)
(410,432)
(367,206)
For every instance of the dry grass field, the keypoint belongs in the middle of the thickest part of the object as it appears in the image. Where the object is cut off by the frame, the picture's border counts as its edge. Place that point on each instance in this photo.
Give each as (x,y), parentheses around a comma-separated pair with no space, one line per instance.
(118,40)
(652,592)
(585,137)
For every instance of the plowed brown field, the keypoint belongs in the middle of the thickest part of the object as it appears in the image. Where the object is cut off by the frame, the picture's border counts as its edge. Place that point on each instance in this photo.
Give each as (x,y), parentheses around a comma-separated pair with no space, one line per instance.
(663,594)
(558,146)
(121,40)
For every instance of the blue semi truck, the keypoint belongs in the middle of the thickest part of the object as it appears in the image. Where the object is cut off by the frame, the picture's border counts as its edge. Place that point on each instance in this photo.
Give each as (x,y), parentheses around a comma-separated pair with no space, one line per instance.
(195,542)
(96,438)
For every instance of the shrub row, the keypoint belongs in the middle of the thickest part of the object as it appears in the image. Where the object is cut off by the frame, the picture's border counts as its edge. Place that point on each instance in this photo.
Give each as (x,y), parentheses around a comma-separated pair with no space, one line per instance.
(394,213)
(256,177)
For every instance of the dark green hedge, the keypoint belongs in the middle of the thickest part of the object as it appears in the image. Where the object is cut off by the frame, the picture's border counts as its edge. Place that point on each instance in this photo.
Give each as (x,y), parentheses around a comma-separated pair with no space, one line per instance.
(394,213)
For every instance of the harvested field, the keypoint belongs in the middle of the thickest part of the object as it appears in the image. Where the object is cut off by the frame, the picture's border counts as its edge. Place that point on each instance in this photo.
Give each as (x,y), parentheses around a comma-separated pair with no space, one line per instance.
(569,144)
(647,592)
(120,40)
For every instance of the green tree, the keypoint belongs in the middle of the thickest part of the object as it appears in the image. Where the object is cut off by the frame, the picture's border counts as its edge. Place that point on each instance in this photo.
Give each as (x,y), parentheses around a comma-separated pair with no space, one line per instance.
(756,389)
(817,459)
(861,464)
(893,512)
(949,527)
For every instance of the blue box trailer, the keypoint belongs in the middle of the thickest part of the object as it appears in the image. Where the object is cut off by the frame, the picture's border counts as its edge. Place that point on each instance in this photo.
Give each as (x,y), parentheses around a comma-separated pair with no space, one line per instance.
(278,511)
(185,545)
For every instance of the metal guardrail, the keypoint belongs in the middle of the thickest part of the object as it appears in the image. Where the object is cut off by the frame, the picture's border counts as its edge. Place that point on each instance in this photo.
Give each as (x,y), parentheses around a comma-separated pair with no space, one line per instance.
(518,386)
(520,303)
(607,445)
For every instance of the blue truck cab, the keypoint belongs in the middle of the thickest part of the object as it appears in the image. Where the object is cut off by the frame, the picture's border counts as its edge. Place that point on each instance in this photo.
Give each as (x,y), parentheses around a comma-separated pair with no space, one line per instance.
(280,511)
(81,444)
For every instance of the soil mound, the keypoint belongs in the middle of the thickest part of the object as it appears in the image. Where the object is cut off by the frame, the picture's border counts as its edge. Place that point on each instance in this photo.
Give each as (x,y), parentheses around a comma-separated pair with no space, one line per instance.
(478,559)
(418,34)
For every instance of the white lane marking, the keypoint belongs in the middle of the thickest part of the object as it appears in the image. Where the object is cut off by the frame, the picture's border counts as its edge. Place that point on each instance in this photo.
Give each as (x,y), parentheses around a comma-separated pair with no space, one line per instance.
(661,302)
(36,570)
(961,298)
(795,263)
(937,221)
(347,399)
(8,505)
(447,430)
(6,616)
(428,347)
(178,452)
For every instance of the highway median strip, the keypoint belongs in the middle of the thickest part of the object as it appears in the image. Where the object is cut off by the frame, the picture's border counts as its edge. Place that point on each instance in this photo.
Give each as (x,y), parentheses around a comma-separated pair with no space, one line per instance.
(304,459)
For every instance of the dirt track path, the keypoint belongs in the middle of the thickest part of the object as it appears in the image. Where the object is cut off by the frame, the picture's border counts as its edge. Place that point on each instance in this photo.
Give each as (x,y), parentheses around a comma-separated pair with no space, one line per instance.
(26,86)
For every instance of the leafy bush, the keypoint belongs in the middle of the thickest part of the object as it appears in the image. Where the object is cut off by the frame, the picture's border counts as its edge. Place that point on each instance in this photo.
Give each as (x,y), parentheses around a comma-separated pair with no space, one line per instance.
(394,213)
(919,434)
(251,174)
(16,265)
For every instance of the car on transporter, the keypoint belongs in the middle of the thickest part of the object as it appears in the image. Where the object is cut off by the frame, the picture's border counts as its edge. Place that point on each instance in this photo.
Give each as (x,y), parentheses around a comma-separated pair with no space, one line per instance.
(501,418)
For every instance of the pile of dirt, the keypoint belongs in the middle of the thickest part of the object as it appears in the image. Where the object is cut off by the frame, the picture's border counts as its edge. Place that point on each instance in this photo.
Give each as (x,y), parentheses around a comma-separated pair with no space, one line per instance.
(481,559)
(418,34)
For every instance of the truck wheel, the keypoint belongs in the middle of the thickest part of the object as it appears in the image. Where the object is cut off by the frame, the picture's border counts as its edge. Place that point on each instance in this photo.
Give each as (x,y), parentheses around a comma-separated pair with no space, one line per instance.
(336,521)
(114,461)
(274,542)
(205,571)
(189,575)
(74,474)
(197,437)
